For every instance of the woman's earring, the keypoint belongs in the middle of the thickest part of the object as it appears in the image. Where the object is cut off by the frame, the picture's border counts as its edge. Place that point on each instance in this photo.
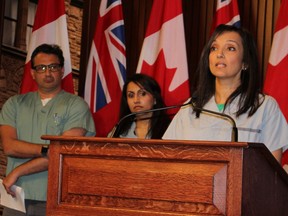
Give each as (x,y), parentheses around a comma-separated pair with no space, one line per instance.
(244,67)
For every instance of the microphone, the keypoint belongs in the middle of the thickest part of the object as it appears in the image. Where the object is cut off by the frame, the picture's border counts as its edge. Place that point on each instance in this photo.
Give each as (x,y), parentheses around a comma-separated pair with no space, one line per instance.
(234,135)
(115,130)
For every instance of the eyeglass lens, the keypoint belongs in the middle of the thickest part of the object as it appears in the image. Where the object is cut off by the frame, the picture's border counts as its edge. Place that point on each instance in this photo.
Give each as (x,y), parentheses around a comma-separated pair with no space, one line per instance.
(43,68)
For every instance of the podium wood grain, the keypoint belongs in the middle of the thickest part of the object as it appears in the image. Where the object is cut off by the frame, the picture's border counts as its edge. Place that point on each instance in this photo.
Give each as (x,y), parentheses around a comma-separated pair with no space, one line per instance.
(134,177)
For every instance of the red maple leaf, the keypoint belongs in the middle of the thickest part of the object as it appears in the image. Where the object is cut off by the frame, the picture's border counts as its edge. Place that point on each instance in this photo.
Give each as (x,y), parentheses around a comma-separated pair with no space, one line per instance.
(164,76)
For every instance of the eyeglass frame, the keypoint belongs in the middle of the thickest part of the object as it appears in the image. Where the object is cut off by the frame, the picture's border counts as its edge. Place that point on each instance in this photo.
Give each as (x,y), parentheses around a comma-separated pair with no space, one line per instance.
(42,66)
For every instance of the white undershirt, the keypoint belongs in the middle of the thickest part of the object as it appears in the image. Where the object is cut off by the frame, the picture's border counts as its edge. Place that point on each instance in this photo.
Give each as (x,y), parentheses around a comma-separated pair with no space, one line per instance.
(45,101)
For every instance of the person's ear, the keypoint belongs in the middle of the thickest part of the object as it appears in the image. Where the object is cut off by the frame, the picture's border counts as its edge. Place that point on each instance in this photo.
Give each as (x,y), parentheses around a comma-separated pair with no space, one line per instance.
(32,73)
(62,71)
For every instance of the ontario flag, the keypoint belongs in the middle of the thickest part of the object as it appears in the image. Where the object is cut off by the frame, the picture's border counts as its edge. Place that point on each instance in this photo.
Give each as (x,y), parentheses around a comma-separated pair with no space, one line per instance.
(163,55)
(276,81)
(227,12)
(106,69)
(50,27)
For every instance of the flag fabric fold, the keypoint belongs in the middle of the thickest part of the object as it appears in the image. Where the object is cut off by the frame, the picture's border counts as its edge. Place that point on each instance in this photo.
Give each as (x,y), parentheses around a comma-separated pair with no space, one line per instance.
(163,55)
(50,26)
(276,81)
(106,69)
(227,12)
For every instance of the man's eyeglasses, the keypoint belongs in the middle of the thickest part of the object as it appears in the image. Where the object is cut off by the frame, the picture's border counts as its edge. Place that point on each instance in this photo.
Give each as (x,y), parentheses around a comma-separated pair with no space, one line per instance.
(42,68)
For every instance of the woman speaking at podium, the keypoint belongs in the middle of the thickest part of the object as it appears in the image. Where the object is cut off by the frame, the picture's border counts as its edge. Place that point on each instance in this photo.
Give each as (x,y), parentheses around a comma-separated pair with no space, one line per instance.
(230,83)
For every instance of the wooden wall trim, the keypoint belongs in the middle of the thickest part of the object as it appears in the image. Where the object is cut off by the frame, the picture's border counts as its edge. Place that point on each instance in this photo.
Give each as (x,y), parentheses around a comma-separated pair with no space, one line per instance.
(2,12)
(90,13)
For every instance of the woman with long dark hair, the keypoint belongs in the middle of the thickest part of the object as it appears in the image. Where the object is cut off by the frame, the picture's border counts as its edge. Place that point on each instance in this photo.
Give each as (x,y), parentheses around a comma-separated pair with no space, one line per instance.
(140,93)
(230,82)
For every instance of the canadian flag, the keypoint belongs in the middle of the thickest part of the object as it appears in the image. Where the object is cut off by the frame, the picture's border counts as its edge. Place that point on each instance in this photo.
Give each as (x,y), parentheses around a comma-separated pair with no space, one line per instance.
(227,12)
(50,27)
(163,55)
(276,81)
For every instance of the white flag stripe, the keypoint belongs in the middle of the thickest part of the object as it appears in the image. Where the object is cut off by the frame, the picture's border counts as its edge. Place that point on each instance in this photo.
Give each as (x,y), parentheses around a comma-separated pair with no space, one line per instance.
(278,51)
(55,33)
(234,20)
(115,52)
(95,57)
(170,45)
(104,10)
(221,4)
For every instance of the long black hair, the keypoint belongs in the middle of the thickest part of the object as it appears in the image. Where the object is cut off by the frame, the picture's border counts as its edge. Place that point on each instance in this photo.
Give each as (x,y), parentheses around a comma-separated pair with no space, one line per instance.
(251,78)
(159,120)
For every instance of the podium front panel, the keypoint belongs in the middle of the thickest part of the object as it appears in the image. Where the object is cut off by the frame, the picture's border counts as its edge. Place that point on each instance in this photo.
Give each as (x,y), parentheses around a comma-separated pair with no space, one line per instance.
(140,177)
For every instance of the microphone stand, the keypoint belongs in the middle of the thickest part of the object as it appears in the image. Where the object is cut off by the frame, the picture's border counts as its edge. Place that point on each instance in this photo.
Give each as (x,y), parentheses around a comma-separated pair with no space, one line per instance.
(234,135)
(115,130)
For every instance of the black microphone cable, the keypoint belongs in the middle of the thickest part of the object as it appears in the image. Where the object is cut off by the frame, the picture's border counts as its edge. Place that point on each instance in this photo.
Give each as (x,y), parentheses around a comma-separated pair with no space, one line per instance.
(115,130)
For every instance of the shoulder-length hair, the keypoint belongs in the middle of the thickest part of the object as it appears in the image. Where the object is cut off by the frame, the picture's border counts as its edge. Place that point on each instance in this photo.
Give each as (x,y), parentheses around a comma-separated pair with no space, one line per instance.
(251,78)
(159,120)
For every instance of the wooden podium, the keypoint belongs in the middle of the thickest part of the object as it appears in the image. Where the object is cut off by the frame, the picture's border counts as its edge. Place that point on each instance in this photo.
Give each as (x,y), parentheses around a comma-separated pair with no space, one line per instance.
(135,177)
